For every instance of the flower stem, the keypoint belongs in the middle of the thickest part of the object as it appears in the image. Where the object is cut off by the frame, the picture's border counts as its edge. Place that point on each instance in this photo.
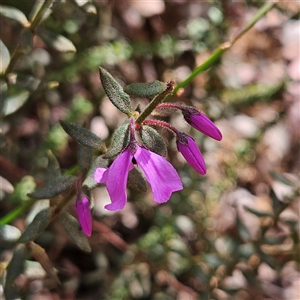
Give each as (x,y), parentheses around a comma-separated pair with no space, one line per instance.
(224,47)
(157,100)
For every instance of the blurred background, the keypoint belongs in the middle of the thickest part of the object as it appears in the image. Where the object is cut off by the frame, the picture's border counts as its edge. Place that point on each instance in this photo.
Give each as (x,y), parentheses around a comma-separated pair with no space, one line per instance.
(232,234)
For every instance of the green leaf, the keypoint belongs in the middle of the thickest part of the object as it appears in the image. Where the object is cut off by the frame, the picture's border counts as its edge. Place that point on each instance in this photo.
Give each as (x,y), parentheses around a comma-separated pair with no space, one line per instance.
(54,188)
(16,265)
(72,226)
(56,41)
(82,135)
(115,93)
(37,226)
(120,140)
(152,140)
(5,57)
(53,170)
(13,103)
(147,90)
(89,183)
(257,212)
(137,181)
(40,255)
(281,178)
(15,14)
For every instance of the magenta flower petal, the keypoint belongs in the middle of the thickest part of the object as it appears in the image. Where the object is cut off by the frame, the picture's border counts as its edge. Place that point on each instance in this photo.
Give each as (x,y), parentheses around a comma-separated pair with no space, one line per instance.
(202,123)
(192,154)
(84,215)
(161,175)
(101,175)
(117,180)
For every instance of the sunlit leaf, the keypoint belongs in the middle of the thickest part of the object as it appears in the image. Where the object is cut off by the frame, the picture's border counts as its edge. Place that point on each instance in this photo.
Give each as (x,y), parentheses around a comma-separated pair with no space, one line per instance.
(37,226)
(54,187)
(57,41)
(5,57)
(14,13)
(13,103)
(40,255)
(9,235)
(72,228)
(281,178)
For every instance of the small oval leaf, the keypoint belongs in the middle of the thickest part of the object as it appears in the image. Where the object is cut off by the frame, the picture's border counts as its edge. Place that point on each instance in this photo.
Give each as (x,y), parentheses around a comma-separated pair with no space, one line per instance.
(40,255)
(57,41)
(115,93)
(82,135)
(152,140)
(54,188)
(5,57)
(8,235)
(148,90)
(72,226)
(15,14)
(16,265)
(120,140)
(35,228)
(13,103)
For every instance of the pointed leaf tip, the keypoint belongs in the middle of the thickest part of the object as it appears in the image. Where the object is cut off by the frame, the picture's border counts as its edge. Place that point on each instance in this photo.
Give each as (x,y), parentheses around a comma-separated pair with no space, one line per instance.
(115,92)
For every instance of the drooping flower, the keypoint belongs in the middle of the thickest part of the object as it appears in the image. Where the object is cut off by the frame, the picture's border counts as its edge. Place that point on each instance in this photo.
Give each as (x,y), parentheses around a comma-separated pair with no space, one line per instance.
(202,123)
(84,213)
(188,148)
(160,174)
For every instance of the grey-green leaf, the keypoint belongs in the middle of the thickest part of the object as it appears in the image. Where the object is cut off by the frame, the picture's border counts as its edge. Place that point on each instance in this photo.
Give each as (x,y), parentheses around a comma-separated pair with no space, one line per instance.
(5,57)
(82,135)
(153,141)
(16,265)
(13,13)
(53,170)
(84,157)
(72,226)
(54,187)
(137,181)
(120,140)
(115,93)
(57,41)
(89,183)
(11,291)
(148,90)
(37,226)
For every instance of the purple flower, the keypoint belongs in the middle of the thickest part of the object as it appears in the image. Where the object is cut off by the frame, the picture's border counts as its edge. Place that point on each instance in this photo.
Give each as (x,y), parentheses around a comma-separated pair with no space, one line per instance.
(160,174)
(202,123)
(190,151)
(84,214)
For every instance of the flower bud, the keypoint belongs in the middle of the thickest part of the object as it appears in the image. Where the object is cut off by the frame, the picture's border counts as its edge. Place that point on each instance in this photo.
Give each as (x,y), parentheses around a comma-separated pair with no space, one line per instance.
(202,123)
(84,214)
(188,148)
